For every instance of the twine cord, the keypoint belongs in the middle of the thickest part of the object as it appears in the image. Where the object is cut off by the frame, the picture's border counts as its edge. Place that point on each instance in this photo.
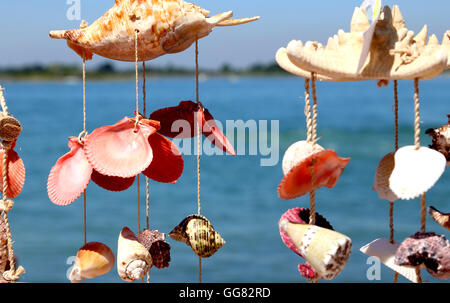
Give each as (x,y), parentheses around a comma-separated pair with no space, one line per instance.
(199,206)
(138,117)
(391,203)
(308,112)
(147,180)
(2,101)
(81,140)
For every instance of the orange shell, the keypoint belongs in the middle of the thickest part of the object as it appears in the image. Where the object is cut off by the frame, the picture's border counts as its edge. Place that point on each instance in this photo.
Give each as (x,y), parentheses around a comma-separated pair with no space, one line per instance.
(111,183)
(328,167)
(167,164)
(70,175)
(118,150)
(16,173)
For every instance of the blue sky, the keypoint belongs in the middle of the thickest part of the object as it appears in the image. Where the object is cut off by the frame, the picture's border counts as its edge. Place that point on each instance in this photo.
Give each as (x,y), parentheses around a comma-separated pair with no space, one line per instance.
(24,27)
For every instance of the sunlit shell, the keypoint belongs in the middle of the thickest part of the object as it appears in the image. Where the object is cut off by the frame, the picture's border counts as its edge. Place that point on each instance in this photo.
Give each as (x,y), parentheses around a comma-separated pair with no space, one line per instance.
(70,175)
(197,232)
(325,250)
(439,217)
(327,167)
(298,152)
(167,164)
(154,242)
(446,45)
(416,171)
(164,26)
(112,183)
(395,53)
(120,150)
(382,175)
(385,251)
(93,259)
(133,259)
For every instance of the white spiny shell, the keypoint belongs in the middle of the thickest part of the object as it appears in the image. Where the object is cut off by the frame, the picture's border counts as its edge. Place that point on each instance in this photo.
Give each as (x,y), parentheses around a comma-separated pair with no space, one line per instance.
(382,175)
(297,152)
(416,171)
(446,45)
(385,252)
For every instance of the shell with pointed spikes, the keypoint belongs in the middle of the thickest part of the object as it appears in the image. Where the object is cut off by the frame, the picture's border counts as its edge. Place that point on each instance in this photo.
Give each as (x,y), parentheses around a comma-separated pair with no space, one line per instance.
(163,26)
(395,53)
(382,175)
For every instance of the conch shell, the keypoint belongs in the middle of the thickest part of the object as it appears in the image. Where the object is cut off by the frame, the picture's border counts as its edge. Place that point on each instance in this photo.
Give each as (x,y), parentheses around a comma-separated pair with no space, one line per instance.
(133,259)
(439,217)
(93,259)
(395,53)
(197,232)
(164,27)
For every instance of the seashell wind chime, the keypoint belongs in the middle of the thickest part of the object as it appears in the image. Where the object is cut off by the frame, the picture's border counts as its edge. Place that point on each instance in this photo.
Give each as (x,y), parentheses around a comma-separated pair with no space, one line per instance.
(12,181)
(115,156)
(381,50)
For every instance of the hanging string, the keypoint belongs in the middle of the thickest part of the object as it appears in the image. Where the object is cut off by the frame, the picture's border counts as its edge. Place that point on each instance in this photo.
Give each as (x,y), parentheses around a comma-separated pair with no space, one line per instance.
(147,181)
(396,112)
(84,133)
(136,36)
(198,132)
(308,112)
(391,203)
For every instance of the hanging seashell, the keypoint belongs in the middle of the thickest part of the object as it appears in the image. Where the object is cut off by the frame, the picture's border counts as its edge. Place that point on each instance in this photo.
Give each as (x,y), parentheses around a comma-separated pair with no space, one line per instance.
(70,175)
(3,246)
(385,251)
(327,167)
(15,172)
(180,122)
(382,175)
(298,152)
(441,139)
(122,149)
(325,250)
(155,243)
(426,249)
(10,127)
(133,259)
(439,217)
(197,232)
(446,45)
(164,26)
(395,53)
(93,259)
(416,171)
(301,216)
(112,183)
(167,164)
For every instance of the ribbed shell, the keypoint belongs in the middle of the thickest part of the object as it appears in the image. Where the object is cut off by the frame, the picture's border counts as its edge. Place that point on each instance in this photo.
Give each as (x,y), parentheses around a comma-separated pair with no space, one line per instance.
(382,175)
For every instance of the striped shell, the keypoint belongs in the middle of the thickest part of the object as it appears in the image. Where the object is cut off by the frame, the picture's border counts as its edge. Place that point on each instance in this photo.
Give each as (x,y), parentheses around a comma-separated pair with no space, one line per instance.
(197,232)
(164,26)
(155,243)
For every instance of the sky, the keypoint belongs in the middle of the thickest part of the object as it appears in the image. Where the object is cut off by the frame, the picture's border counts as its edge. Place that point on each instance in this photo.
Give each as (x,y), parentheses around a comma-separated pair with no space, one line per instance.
(24,28)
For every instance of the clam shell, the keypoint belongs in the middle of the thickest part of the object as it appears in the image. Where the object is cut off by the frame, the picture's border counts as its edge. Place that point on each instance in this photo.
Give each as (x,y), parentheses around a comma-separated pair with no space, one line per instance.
(416,171)
(385,252)
(165,26)
(70,175)
(298,152)
(93,259)
(441,218)
(325,250)
(328,167)
(395,53)
(112,183)
(118,150)
(167,164)
(197,232)
(15,173)
(382,175)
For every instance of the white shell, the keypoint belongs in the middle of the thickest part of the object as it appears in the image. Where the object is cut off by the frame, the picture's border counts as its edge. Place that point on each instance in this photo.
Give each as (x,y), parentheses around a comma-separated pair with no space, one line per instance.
(382,175)
(416,171)
(385,252)
(297,152)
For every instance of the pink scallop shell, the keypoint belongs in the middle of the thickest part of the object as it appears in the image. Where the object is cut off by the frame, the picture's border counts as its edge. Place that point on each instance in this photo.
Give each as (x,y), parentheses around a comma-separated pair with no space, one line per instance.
(15,174)
(167,164)
(328,167)
(112,183)
(70,175)
(118,150)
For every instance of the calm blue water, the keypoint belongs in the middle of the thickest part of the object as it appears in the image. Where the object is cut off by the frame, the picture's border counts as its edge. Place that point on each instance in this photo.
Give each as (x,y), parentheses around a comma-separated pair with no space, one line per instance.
(239,196)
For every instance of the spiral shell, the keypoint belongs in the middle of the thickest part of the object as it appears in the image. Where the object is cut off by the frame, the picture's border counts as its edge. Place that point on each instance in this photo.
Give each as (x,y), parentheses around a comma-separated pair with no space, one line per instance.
(197,232)
(155,243)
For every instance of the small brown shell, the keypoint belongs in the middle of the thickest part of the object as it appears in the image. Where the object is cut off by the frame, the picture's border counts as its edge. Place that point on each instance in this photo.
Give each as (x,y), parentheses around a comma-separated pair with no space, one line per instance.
(155,243)
(10,127)
(441,218)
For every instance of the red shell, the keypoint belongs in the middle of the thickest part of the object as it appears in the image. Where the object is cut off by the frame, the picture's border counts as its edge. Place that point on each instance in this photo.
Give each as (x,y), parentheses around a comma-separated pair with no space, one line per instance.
(112,183)
(119,150)
(215,135)
(15,174)
(167,164)
(328,167)
(70,175)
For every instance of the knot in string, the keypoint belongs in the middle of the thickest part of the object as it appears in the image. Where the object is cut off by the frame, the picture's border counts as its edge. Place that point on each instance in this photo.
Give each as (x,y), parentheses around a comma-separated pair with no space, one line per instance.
(13,275)
(6,205)
(82,137)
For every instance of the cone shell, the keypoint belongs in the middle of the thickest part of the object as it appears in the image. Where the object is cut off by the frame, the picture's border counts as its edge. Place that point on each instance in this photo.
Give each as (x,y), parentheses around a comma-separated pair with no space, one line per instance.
(154,242)
(70,175)
(441,218)
(325,250)
(3,246)
(133,259)
(15,173)
(382,175)
(110,183)
(167,164)
(10,128)
(164,26)
(120,151)
(416,171)
(385,251)
(328,167)
(298,152)
(93,259)
(395,53)
(197,232)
